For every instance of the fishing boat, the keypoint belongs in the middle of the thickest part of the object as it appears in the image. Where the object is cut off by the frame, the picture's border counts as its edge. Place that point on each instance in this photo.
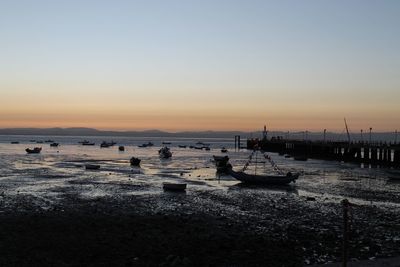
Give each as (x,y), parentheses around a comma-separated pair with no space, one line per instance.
(182,146)
(135,161)
(224,150)
(15,142)
(165,153)
(35,150)
(278,179)
(221,163)
(54,144)
(166,143)
(264,179)
(105,144)
(146,144)
(92,167)
(49,141)
(174,186)
(86,143)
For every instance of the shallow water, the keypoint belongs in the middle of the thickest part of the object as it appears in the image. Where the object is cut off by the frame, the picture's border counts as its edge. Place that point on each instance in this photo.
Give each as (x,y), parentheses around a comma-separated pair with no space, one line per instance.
(59,171)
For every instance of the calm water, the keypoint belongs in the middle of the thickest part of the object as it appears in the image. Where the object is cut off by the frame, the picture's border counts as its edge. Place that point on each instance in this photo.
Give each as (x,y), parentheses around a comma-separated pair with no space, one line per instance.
(57,171)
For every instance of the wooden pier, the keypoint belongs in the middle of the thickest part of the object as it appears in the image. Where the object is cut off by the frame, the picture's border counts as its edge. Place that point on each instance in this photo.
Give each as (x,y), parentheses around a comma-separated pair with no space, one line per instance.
(367,153)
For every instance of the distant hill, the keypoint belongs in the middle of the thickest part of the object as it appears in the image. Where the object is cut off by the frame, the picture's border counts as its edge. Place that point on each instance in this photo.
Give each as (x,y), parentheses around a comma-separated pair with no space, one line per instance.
(95,132)
(382,136)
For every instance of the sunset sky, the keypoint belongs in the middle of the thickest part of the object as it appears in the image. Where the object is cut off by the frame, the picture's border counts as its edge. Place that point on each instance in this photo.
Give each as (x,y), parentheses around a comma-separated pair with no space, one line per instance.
(200,65)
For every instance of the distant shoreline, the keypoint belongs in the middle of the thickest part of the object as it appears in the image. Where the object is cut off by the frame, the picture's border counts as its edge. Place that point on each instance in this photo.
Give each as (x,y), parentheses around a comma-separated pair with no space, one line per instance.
(376,136)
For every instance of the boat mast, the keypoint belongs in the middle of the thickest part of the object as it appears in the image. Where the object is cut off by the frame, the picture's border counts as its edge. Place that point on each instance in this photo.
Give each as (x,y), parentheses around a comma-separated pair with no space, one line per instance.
(347,130)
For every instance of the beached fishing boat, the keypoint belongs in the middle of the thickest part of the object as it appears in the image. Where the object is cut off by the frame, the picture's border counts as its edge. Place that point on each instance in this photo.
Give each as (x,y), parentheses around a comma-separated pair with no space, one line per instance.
(92,167)
(274,179)
(174,186)
(35,150)
(165,153)
(135,161)
(224,150)
(264,179)
(54,144)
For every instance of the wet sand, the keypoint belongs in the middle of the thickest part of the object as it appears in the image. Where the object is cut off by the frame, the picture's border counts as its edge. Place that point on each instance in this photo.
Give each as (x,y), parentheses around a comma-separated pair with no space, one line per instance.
(239,227)
(53,212)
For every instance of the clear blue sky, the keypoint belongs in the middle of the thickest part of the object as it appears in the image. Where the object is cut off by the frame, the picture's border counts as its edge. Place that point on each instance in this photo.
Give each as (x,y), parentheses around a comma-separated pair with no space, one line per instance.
(200,64)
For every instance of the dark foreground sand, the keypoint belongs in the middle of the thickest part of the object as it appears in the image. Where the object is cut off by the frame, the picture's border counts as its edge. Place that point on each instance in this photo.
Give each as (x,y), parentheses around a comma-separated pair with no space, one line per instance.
(238,228)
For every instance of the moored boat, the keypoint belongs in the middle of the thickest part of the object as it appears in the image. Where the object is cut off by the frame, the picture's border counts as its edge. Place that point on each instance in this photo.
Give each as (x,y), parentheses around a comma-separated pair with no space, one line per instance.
(35,150)
(264,179)
(135,161)
(86,143)
(221,163)
(165,153)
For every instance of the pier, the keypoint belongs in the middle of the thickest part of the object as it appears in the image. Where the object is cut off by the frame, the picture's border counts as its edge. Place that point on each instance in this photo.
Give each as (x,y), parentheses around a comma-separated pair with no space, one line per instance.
(367,153)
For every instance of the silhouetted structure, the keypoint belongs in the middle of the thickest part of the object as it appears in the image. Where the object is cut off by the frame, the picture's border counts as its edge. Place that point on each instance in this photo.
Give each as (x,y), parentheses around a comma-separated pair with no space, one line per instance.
(373,153)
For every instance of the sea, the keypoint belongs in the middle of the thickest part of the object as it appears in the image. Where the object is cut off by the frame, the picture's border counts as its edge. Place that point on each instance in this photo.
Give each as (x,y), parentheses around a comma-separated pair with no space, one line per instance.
(56,170)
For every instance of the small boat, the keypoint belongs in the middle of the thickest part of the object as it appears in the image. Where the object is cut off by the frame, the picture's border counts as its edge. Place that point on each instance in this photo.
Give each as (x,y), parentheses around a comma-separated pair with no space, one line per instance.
(207,148)
(146,144)
(49,141)
(121,148)
(221,163)
(35,150)
(166,143)
(104,144)
(191,146)
(15,142)
(32,141)
(198,147)
(264,179)
(86,143)
(165,153)
(135,161)
(92,167)
(174,186)
(39,142)
(54,144)
(182,146)
(224,150)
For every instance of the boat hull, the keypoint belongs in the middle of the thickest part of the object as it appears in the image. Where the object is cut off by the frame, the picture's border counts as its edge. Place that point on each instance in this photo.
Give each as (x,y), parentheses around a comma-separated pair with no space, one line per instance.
(264,179)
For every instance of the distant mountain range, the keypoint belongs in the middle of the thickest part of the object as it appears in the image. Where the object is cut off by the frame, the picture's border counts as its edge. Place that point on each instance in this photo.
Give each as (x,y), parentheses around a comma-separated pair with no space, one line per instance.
(379,136)
(95,132)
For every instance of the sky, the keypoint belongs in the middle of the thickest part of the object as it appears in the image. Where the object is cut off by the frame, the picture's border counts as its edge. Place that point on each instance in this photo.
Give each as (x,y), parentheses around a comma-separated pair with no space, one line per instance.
(200,65)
